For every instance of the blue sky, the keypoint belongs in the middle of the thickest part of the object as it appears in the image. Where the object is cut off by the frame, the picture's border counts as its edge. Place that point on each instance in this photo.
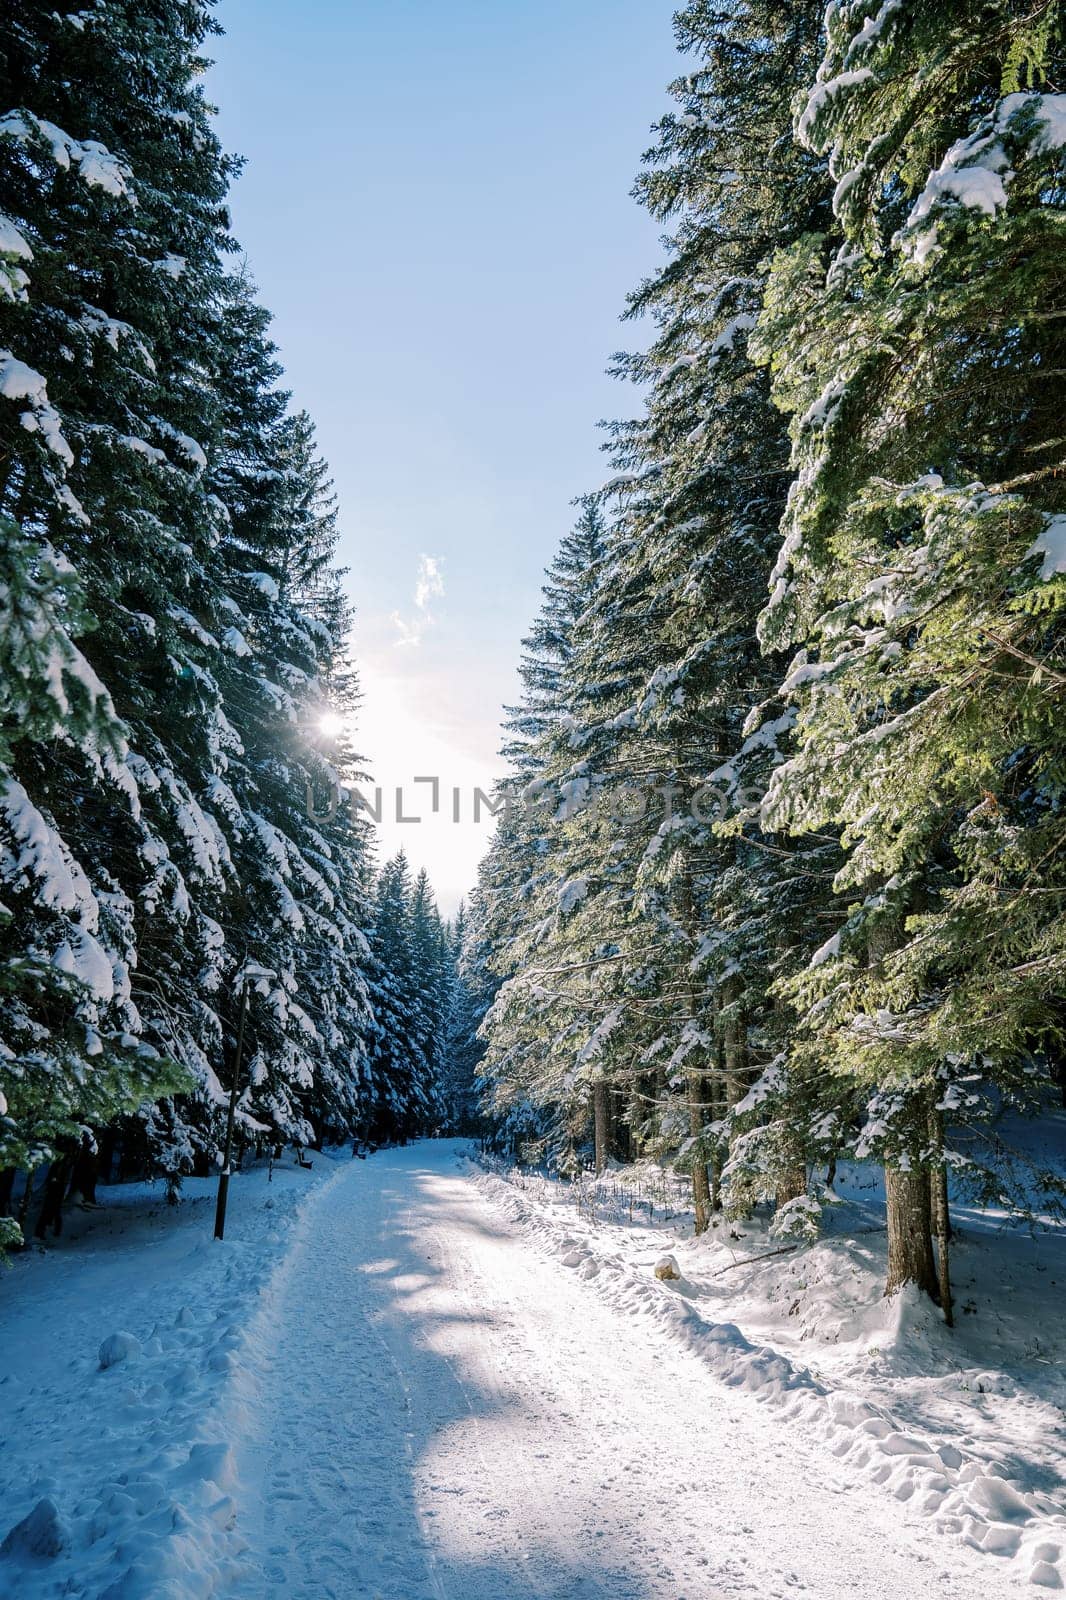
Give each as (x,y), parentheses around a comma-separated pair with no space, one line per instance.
(436,208)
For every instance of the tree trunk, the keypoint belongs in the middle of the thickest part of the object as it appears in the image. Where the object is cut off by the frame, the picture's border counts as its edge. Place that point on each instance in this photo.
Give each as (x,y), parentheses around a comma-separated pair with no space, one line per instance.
(701,1188)
(735,1039)
(910,1242)
(908,1195)
(714,1102)
(941,1217)
(601,1123)
(619,1145)
(55,1189)
(636,1116)
(107,1153)
(791,1183)
(24,1201)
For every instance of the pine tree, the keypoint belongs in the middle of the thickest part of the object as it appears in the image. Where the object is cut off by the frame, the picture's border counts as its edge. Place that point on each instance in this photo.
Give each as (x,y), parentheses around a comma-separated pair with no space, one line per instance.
(531,882)
(919,577)
(177,628)
(473,989)
(95,425)
(431,956)
(64,988)
(567,591)
(661,970)
(401,1097)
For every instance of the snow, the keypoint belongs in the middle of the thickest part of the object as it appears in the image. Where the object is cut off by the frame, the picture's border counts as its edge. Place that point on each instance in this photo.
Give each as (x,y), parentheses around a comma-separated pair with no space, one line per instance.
(980,187)
(826,952)
(98,167)
(20,382)
(822,411)
(820,96)
(573,795)
(274,843)
(203,837)
(409,1379)
(799,1218)
(41,860)
(69,500)
(265,584)
(131,1451)
(681,364)
(571,893)
(189,622)
(100,325)
(141,447)
(254,973)
(871,30)
(764,737)
(726,339)
(188,447)
(1051,122)
(11,241)
(235,642)
(1051,544)
(82,956)
(960,1427)
(599,1036)
(14,282)
(977,169)
(118,1347)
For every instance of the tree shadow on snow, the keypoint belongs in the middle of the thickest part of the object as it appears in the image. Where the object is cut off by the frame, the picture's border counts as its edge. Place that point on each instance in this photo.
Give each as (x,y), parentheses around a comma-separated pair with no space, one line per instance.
(417,1477)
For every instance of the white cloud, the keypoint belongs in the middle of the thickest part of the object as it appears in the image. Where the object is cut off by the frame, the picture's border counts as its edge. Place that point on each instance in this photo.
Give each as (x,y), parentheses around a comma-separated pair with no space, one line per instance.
(407,632)
(429,586)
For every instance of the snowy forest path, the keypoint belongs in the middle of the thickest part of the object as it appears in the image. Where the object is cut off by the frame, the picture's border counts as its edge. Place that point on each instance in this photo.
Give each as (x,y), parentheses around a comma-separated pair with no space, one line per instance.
(446,1414)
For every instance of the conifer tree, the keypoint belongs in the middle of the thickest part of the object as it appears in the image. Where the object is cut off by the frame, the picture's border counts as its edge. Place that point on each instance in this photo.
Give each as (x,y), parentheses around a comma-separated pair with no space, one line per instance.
(473,988)
(661,968)
(531,881)
(177,628)
(105,171)
(914,344)
(401,1088)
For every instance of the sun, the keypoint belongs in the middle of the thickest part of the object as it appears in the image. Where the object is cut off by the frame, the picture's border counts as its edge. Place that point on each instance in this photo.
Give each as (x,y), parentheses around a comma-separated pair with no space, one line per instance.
(330,724)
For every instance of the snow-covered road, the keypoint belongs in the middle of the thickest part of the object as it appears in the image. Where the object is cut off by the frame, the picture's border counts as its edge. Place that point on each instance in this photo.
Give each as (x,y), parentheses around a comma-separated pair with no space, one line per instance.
(443,1411)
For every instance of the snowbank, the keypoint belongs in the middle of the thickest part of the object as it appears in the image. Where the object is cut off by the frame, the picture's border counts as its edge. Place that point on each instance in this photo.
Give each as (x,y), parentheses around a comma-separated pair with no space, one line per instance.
(963,1427)
(117,1465)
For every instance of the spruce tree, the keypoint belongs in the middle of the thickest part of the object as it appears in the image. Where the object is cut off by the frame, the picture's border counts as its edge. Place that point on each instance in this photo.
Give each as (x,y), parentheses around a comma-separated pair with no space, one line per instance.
(661,969)
(177,628)
(473,989)
(396,1067)
(101,181)
(920,575)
